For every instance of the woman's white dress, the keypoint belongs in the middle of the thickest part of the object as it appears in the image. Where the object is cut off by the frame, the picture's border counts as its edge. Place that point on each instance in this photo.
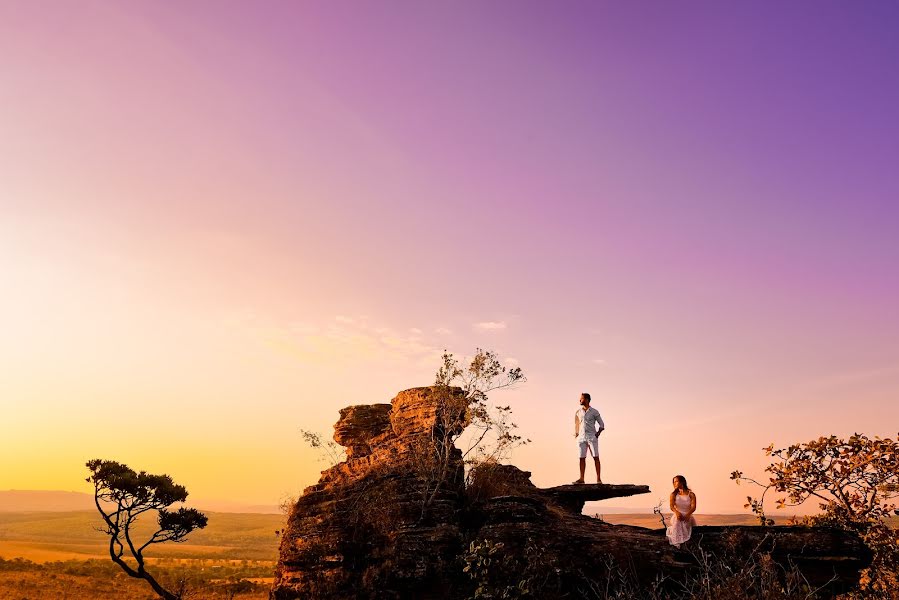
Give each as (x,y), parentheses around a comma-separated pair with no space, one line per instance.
(679,530)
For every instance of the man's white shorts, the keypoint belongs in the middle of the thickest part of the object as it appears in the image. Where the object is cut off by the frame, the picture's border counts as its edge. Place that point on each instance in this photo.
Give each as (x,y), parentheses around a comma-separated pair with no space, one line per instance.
(594,446)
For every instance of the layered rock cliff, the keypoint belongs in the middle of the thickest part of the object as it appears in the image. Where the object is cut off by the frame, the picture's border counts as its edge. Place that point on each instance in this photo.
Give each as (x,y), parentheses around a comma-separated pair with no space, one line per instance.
(376,526)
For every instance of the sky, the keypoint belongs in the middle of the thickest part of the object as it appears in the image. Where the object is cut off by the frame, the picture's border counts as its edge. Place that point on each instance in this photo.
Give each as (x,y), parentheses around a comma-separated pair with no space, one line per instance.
(221,222)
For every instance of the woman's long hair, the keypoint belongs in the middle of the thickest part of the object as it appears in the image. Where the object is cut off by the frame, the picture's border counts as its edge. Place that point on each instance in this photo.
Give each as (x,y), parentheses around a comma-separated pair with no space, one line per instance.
(682,484)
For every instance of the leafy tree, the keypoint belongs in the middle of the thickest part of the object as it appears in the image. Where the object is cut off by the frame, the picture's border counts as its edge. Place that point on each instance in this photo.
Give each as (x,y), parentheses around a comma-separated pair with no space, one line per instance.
(463,403)
(122,495)
(855,482)
(482,375)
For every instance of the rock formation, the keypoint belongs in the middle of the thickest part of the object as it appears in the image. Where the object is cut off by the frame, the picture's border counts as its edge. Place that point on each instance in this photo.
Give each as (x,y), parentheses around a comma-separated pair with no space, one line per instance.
(378,526)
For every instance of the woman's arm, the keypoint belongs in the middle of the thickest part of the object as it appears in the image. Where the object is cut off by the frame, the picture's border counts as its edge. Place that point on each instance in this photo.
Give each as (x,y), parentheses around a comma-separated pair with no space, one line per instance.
(692,505)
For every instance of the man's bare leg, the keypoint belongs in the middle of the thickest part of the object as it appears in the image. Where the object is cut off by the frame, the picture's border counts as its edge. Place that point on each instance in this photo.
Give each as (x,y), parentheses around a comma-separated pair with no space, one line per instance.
(598,477)
(583,468)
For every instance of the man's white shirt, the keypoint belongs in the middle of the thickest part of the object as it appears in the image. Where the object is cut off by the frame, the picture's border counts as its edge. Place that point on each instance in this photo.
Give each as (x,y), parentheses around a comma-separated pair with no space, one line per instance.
(588,422)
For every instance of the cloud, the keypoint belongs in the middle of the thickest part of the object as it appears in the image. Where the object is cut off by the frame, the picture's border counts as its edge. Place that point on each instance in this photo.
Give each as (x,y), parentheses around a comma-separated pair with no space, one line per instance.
(344,338)
(598,361)
(511,362)
(490,325)
(443,331)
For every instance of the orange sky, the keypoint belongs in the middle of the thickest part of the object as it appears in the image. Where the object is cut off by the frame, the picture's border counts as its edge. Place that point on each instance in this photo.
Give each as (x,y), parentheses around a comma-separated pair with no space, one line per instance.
(217,228)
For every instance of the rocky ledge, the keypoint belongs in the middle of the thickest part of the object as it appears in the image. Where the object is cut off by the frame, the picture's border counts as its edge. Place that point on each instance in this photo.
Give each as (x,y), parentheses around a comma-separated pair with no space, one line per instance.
(376,526)
(574,496)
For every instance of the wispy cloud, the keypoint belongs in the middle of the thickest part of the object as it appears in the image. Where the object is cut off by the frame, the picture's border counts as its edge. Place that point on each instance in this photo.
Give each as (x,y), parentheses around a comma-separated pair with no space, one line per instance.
(350,338)
(853,377)
(598,361)
(490,325)
(346,338)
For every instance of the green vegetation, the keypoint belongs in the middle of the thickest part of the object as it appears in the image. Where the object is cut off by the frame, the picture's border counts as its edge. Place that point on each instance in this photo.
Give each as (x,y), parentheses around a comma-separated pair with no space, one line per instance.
(478,560)
(123,496)
(62,555)
(855,482)
(22,579)
(463,406)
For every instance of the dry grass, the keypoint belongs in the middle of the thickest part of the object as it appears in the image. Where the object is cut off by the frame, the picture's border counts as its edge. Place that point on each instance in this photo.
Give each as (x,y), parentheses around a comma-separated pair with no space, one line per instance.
(81,579)
(29,585)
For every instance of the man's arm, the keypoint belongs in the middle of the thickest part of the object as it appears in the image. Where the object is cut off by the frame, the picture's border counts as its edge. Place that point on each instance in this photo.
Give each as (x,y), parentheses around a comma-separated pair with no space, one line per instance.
(577,424)
(600,426)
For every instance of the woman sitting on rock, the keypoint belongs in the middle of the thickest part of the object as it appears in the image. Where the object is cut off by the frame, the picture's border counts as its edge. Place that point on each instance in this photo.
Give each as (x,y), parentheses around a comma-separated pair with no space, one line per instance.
(683,505)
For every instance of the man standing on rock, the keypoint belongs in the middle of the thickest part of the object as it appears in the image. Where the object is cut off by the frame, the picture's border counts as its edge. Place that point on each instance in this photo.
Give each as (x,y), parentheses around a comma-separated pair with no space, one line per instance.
(587,427)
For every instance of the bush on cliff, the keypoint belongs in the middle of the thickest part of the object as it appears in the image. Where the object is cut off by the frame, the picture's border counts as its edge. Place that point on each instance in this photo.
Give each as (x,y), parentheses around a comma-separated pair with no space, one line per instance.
(855,482)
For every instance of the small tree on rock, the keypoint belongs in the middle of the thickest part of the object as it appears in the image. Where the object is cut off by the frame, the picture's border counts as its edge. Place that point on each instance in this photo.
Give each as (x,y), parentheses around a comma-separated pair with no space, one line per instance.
(122,495)
(463,403)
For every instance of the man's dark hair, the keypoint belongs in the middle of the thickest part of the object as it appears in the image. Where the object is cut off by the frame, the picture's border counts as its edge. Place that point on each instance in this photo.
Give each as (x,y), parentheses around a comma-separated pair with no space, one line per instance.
(586,396)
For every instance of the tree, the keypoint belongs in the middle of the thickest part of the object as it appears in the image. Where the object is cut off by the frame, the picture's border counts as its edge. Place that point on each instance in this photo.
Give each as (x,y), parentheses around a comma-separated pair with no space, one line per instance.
(855,482)
(463,403)
(122,496)
(329,451)
(482,375)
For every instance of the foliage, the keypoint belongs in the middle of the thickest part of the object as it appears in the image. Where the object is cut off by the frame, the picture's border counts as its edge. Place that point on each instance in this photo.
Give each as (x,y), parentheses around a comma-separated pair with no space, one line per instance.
(463,404)
(329,451)
(855,482)
(482,375)
(121,496)
(92,579)
(739,573)
(480,562)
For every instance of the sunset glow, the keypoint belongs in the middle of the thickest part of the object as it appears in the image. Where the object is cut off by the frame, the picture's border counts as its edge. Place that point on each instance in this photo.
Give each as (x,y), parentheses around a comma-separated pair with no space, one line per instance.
(220,224)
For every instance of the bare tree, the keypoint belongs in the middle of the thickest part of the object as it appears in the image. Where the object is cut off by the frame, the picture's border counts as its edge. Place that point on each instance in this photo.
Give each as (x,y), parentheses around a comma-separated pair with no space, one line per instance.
(122,495)
(329,451)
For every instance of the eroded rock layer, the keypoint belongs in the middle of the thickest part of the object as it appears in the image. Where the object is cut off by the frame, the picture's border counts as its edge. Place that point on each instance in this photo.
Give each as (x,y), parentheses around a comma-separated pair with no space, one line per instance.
(377,526)
(362,530)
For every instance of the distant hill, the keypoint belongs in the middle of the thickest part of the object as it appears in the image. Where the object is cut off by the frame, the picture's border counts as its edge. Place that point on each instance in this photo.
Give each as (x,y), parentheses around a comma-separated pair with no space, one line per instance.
(44,501)
(58,501)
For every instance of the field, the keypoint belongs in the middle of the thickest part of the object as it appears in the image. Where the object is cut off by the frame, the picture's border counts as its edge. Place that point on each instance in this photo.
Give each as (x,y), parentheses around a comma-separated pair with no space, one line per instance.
(43,536)
(62,555)
(21,579)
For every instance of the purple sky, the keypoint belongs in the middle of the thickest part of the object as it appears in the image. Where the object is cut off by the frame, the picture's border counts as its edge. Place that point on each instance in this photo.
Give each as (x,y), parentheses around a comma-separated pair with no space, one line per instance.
(689,209)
